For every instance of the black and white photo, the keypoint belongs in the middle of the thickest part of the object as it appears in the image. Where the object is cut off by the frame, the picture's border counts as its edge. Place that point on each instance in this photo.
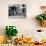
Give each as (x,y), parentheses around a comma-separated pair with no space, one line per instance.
(17,10)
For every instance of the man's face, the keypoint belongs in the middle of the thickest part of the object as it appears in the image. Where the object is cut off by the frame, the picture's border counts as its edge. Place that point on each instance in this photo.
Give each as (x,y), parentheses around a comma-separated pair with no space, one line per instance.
(44,10)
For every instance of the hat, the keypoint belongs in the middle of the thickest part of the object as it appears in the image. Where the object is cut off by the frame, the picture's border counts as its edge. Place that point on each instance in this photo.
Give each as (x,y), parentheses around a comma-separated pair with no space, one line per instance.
(42,7)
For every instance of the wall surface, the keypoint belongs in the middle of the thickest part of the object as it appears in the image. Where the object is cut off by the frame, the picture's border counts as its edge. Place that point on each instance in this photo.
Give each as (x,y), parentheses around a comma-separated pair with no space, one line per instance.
(27,26)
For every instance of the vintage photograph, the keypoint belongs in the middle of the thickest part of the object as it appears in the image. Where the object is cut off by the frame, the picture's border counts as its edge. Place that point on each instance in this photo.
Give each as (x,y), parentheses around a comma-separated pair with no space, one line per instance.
(17,10)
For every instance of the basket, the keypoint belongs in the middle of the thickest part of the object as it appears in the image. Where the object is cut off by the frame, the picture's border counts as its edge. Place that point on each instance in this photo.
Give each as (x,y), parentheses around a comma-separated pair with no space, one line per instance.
(43,23)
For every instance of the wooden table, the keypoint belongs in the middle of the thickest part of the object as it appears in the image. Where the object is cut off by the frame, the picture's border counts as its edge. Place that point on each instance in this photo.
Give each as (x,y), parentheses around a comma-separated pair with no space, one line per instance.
(25,44)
